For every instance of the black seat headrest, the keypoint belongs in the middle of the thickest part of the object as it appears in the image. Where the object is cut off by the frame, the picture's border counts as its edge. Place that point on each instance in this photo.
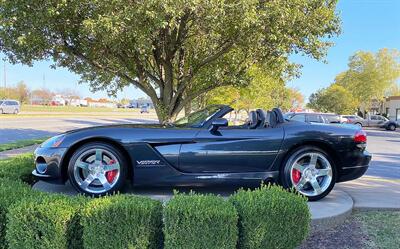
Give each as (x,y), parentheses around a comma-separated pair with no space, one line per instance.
(279,115)
(253,120)
(273,119)
(261,117)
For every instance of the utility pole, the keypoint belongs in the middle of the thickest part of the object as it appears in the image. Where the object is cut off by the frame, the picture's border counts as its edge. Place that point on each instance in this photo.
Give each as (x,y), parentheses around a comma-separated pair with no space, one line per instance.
(5,81)
(44,82)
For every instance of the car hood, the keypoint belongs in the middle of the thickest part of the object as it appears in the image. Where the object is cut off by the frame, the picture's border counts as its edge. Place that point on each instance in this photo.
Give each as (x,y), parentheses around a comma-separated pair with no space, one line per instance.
(145,126)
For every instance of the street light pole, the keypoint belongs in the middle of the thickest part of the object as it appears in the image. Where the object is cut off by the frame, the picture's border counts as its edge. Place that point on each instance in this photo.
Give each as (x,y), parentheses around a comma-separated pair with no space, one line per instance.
(5,81)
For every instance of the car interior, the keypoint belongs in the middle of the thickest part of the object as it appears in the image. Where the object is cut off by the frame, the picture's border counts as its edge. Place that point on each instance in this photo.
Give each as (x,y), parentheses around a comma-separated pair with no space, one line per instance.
(262,119)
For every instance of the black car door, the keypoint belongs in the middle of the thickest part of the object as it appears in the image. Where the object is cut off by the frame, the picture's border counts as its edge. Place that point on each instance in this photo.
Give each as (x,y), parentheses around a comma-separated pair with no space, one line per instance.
(231,149)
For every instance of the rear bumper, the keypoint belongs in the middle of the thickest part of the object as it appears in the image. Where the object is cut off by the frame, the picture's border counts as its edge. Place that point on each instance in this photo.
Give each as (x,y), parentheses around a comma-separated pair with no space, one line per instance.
(355,171)
(48,164)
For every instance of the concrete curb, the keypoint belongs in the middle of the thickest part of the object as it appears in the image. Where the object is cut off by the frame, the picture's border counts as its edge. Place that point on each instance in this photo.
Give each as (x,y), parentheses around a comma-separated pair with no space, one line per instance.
(331,211)
(373,193)
(15,152)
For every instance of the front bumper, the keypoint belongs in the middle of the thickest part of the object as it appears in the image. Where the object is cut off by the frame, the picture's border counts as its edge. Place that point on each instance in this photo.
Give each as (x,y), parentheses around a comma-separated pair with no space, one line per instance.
(48,164)
(357,169)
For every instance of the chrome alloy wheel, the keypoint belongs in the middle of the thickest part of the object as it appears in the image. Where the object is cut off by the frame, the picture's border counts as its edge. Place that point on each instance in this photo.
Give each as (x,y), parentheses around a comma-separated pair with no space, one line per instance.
(97,170)
(311,173)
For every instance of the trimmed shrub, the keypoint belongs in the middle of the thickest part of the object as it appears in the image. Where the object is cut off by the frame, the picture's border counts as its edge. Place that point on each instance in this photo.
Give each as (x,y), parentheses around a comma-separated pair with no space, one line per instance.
(122,221)
(46,221)
(10,193)
(19,167)
(271,217)
(200,221)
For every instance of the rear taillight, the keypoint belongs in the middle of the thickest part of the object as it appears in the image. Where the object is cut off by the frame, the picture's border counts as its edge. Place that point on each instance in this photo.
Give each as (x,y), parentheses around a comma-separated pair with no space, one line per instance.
(360,137)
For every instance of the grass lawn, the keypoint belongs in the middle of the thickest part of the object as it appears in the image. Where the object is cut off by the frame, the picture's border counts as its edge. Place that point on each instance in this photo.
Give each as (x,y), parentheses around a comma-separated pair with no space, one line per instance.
(382,228)
(21,143)
(363,230)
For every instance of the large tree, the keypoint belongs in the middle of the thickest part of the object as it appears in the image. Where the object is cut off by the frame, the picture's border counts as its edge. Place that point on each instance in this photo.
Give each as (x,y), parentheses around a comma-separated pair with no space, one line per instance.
(371,76)
(173,50)
(335,99)
(264,91)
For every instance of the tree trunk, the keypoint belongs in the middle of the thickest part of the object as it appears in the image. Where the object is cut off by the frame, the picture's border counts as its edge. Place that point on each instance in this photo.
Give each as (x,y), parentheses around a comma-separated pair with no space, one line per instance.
(164,113)
(188,108)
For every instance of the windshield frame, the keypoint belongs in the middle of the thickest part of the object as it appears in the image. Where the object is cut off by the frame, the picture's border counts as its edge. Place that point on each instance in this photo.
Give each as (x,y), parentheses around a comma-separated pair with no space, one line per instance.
(214,111)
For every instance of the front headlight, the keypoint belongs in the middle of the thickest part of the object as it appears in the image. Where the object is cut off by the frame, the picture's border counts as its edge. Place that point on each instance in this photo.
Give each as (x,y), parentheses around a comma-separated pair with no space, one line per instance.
(53,141)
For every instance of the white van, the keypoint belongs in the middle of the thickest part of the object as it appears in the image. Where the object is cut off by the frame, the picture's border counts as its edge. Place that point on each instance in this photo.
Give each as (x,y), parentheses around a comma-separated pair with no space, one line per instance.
(9,106)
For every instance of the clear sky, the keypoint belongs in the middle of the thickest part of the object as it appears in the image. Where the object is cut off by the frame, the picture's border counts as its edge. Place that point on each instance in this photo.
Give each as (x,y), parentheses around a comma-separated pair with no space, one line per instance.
(366,25)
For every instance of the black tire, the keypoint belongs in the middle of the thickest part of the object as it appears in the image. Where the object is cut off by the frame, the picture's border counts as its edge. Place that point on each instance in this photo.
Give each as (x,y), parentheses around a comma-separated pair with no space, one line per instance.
(392,127)
(359,124)
(16,111)
(119,183)
(285,173)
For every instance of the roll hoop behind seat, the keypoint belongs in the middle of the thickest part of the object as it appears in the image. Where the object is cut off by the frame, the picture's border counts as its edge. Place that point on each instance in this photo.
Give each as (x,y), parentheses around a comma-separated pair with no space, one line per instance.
(279,115)
(253,120)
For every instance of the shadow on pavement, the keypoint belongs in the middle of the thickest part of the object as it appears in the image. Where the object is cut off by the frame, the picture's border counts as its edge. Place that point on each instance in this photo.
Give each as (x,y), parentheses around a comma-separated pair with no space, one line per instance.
(11,135)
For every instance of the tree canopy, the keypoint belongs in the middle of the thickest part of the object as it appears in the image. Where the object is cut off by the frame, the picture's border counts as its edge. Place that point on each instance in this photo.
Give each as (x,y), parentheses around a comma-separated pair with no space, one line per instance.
(371,76)
(264,91)
(173,50)
(334,99)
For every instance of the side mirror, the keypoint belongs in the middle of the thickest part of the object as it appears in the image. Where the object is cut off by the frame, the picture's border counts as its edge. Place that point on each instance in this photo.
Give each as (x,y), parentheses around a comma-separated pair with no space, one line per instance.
(219,122)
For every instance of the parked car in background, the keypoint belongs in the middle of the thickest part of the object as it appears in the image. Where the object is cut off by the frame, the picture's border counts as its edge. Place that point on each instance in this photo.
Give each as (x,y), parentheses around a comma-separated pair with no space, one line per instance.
(380,121)
(9,106)
(144,109)
(372,121)
(311,117)
(332,118)
(354,119)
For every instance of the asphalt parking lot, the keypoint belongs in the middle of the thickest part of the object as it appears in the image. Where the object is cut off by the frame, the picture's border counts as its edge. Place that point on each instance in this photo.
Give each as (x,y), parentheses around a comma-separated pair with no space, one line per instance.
(385,148)
(12,129)
(384,145)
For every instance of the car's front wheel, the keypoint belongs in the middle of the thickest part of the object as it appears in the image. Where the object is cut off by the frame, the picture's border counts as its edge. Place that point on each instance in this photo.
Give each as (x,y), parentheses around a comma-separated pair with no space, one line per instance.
(310,171)
(97,169)
(391,127)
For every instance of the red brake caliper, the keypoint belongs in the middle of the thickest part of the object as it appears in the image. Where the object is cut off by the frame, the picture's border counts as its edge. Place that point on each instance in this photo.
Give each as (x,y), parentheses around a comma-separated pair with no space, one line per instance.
(296,175)
(110,175)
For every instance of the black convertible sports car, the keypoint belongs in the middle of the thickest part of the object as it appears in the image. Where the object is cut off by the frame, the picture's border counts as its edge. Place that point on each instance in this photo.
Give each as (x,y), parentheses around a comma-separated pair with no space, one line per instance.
(204,148)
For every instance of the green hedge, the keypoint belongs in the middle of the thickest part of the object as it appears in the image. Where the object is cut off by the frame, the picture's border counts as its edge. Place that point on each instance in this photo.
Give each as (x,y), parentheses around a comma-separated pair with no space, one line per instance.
(122,221)
(11,192)
(200,221)
(268,217)
(19,167)
(271,217)
(45,221)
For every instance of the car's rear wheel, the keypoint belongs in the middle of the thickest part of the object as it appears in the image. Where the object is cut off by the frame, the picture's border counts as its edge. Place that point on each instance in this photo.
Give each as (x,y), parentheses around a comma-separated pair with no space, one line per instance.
(310,171)
(392,127)
(16,111)
(97,169)
(359,125)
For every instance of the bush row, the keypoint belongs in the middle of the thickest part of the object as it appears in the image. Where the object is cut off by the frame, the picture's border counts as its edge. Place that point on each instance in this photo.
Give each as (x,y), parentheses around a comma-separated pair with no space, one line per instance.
(18,168)
(267,217)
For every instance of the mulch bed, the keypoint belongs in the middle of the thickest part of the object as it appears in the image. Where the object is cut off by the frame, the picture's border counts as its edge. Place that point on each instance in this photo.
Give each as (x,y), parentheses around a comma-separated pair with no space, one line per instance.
(347,235)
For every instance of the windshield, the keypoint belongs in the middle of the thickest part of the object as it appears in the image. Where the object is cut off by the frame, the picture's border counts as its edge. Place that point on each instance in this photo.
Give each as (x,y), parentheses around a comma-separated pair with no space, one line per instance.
(197,118)
(288,116)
